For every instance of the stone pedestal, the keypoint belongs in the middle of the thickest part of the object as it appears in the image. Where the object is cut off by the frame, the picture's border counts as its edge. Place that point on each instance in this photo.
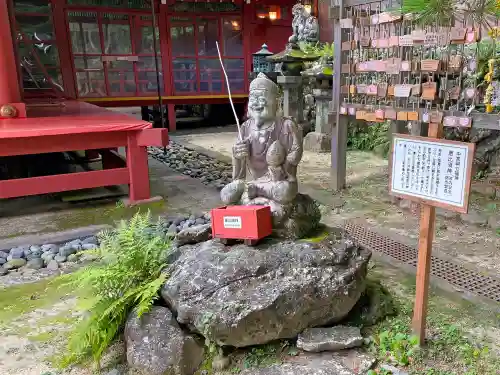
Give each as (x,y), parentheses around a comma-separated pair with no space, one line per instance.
(321,139)
(293,103)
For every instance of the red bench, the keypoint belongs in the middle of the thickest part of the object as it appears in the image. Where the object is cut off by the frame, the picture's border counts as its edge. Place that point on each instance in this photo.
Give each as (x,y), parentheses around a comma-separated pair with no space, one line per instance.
(75,126)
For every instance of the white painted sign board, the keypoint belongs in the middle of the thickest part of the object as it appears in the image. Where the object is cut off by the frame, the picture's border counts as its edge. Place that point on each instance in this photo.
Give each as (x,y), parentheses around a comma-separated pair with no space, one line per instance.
(233,222)
(432,171)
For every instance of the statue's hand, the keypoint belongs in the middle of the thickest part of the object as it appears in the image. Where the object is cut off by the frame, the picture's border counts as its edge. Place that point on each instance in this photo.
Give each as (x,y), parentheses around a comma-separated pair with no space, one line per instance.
(240,150)
(251,191)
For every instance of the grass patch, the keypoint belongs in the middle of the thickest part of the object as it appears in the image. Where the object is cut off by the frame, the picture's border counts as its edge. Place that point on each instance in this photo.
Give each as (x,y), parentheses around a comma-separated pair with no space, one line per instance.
(21,299)
(452,348)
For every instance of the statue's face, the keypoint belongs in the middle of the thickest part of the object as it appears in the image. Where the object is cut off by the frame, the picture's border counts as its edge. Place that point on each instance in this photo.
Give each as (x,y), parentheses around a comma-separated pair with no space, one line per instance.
(260,106)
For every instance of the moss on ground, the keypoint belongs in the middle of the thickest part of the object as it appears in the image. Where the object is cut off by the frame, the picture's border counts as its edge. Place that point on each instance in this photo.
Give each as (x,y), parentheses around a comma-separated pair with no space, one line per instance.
(25,298)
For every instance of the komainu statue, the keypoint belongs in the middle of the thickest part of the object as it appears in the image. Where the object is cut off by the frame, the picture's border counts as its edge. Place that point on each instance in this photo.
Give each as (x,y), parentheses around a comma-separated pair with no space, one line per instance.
(265,161)
(305,26)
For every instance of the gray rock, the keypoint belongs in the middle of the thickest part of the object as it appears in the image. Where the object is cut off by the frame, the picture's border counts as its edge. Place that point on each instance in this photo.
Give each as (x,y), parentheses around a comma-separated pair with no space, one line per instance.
(329,339)
(89,246)
(90,241)
(34,255)
(60,258)
(393,370)
(66,250)
(200,221)
(3,261)
(35,264)
(47,256)
(14,263)
(3,254)
(195,234)
(52,265)
(50,247)
(310,367)
(3,271)
(242,296)
(172,229)
(494,222)
(35,248)
(157,345)
(72,258)
(16,253)
(113,372)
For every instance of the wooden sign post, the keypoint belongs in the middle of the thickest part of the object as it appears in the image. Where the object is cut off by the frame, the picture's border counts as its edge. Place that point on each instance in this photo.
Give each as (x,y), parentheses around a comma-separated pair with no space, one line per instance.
(434,173)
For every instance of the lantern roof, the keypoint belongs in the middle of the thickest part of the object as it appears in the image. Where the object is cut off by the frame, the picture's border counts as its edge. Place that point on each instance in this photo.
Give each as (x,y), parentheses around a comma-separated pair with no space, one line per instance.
(264,51)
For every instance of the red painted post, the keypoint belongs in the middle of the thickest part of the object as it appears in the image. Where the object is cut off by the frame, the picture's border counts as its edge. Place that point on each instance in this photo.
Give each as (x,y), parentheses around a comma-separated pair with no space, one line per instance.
(171,117)
(9,89)
(137,164)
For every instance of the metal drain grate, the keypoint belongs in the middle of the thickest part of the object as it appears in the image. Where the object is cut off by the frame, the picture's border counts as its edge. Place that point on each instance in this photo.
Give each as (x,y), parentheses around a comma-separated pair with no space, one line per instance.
(460,277)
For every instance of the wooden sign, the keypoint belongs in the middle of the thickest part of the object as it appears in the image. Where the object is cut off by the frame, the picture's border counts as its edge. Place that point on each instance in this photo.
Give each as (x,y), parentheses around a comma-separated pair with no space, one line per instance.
(431,171)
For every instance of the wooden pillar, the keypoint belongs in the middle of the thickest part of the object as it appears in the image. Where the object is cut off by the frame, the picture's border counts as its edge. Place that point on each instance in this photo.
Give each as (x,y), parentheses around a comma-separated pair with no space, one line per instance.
(137,164)
(171,117)
(339,128)
(10,91)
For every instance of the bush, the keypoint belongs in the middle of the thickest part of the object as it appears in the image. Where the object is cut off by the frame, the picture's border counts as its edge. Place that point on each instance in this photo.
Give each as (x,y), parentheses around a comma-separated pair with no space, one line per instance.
(128,276)
(369,137)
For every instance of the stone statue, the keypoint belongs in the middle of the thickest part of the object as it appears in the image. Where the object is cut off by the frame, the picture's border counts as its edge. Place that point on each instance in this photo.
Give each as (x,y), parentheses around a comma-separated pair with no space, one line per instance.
(305,26)
(265,162)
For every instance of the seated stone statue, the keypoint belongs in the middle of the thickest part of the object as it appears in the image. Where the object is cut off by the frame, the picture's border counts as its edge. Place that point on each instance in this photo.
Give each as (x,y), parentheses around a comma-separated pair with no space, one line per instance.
(305,26)
(265,161)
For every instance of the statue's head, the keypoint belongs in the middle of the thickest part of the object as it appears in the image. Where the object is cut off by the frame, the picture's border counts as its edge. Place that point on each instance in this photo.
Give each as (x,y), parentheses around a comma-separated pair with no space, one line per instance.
(262,99)
(298,10)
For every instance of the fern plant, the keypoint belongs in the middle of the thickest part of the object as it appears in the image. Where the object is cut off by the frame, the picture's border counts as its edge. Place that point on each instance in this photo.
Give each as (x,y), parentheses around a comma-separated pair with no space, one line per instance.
(128,276)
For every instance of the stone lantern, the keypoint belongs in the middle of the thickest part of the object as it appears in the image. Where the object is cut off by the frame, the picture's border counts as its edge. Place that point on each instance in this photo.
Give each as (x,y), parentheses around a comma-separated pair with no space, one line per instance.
(260,63)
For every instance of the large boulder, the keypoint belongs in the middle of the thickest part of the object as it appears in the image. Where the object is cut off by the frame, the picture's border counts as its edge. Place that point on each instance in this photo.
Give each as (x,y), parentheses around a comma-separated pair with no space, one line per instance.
(158,346)
(242,296)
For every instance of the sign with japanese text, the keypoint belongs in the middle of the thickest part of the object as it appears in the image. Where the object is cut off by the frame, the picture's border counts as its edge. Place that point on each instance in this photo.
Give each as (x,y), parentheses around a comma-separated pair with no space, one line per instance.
(432,171)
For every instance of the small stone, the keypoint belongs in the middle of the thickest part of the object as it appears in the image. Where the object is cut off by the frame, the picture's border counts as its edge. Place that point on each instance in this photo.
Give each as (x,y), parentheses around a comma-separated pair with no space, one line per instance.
(393,370)
(72,257)
(47,256)
(172,229)
(195,234)
(34,255)
(50,247)
(90,241)
(3,271)
(3,254)
(89,246)
(88,257)
(494,222)
(200,221)
(14,263)
(192,218)
(60,258)
(178,221)
(16,253)
(3,261)
(474,218)
(35,248)
(113,372)
(66,250)
(35,264)
(53,265)
(329,339)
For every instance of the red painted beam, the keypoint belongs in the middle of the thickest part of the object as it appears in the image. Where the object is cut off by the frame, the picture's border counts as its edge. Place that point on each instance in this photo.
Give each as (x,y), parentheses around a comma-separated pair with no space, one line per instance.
(9,88)
(64,182)
(153,137)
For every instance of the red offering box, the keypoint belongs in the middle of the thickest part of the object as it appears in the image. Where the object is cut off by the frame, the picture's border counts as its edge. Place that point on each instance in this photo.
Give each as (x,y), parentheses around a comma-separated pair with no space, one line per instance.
(241,222)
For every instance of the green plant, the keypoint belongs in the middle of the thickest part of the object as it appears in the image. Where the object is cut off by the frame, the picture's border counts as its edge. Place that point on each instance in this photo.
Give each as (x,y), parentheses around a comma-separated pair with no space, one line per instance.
(369,137)
(128,277)
(397,347)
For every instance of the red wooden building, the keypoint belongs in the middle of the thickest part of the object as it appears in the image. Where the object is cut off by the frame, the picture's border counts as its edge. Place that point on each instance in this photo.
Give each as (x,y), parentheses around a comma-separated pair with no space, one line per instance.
(103,51)
(62,61)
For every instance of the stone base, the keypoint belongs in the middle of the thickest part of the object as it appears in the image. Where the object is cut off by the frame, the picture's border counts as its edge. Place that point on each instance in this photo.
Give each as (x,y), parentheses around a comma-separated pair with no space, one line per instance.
(243,296)
(317,142)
